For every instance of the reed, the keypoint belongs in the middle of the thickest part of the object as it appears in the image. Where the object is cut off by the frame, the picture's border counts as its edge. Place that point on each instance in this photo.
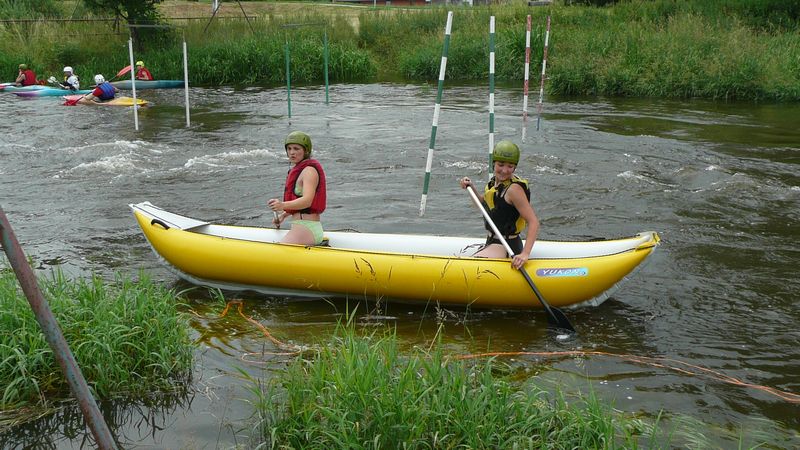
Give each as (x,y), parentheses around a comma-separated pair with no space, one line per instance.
(724,49)
(126,336)
(365,392)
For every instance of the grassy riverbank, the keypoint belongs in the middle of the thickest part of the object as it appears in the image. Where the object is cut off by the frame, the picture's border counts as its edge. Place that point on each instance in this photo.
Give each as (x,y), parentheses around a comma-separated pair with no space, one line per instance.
(662,48)
(365,392)
(127,337)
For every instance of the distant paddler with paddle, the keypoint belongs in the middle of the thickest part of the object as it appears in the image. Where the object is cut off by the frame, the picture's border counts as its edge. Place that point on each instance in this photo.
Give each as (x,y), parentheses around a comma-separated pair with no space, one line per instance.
(70,82)
(304,194)
(26,76)
(506,198)
(102,92)
(142,73)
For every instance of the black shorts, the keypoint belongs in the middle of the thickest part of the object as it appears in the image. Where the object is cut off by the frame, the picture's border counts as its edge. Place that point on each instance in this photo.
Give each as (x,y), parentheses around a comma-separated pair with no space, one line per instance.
(515,243)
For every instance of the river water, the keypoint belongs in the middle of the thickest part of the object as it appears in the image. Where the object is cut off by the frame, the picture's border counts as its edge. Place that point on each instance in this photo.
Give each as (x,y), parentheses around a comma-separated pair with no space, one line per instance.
(718,181)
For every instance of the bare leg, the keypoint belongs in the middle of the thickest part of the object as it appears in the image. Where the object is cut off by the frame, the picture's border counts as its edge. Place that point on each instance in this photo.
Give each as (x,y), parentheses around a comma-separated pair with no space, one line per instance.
(299,235)
(492,251)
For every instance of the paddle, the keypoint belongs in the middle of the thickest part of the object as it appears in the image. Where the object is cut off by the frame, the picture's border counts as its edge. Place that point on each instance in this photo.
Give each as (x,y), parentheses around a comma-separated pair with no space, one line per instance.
(122,72)
(276,220)
(555,316)
(74,102)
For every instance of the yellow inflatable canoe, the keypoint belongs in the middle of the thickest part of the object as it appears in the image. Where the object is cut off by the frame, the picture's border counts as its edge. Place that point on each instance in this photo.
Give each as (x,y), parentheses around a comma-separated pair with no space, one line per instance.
(397,267)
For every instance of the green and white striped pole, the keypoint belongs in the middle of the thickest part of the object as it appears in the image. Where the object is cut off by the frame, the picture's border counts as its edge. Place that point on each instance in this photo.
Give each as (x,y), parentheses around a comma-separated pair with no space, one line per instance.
(436,110)
(288,82)
(491,90)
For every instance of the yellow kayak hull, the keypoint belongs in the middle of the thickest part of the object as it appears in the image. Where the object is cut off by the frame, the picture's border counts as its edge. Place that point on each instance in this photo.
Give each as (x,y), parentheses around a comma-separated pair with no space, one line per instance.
(433,269)
(116,101)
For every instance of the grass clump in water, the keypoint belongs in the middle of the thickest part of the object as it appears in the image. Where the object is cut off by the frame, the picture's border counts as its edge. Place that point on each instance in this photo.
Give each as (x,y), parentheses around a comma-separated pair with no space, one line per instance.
(127,337)
(362,392)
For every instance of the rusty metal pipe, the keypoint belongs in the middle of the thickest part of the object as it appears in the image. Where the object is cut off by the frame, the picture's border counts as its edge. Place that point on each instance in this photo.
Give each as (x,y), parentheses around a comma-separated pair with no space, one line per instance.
(54,336)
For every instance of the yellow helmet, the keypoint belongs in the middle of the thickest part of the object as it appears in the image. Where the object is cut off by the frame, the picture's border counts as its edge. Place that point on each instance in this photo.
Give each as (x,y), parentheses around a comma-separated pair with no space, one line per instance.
(139,63)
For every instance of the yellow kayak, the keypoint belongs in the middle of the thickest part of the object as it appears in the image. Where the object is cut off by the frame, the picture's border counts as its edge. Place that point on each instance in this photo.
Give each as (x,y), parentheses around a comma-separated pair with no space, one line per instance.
(116,101)
(398,267)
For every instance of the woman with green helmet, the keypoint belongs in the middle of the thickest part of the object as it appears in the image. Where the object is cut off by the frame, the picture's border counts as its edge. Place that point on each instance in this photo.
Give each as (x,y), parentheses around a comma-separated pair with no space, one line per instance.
(304,194)
(507,199)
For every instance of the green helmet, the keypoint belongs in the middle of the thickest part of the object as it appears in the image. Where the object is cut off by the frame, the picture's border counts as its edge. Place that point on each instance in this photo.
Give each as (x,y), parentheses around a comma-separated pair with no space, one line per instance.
(23,67)
(506,151)
(300,138)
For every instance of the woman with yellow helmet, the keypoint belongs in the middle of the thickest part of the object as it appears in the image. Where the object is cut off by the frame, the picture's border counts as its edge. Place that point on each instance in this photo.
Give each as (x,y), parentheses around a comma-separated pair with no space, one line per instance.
(507,199)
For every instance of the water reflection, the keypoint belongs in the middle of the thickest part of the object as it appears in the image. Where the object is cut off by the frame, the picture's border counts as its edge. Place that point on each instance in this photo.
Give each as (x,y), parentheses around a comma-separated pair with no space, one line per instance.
(144,420)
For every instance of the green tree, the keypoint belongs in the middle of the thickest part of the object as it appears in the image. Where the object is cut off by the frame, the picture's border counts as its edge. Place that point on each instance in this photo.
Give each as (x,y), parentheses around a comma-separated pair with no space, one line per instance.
(133,12)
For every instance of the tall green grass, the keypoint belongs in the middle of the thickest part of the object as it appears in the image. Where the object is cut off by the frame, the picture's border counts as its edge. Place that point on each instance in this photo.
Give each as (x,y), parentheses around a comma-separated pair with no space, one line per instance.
(127,337)
(662,48)
(364,392)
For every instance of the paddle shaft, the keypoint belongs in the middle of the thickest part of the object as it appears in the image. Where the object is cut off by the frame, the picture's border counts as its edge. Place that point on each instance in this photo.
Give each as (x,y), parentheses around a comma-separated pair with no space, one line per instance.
(554,315)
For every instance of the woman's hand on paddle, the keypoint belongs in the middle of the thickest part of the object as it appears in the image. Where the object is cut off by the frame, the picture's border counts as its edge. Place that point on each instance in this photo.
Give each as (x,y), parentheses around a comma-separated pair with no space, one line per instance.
(519,260)
(466,182)
(275,204)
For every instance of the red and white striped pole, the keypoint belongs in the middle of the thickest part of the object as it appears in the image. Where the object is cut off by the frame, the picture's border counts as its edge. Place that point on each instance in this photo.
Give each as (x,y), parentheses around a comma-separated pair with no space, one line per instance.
(544,66)
(527,75)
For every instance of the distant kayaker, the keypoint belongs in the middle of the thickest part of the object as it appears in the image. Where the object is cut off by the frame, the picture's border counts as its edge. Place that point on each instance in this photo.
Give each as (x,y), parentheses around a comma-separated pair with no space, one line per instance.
(26,76)
(507,198)
(142,73)
(304,194)
(103,92)
(70,82)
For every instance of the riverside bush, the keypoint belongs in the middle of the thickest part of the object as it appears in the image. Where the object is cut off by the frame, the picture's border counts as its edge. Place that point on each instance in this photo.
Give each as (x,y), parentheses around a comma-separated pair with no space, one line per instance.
(738,49)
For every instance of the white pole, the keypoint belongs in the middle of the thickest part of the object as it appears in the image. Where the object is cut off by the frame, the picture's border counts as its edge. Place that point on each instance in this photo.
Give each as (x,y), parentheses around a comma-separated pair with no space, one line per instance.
(186,82)
(491,90)
(527,76)
(133,86)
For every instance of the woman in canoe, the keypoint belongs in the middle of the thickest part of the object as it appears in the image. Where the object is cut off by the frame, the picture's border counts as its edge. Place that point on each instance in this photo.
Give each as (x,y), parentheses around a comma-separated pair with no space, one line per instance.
(507,199)
(304,194)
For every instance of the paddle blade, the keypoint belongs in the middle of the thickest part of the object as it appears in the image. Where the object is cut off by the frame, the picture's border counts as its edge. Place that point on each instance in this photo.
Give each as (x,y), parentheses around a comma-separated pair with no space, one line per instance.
(72,101)
(557,318)
(122,72)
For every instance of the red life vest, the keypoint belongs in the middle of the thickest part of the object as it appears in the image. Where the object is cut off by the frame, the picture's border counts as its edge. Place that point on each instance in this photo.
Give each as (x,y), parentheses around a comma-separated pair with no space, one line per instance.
(319,203)
(143,74)
(30,77)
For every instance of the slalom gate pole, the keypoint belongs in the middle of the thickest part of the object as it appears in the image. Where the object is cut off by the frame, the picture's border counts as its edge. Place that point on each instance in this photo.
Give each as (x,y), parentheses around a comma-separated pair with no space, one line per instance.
(437,107)
(133,86)
(525,82)
(186,82)
(325,57)
(288,82)
(491,90)
(54,336)
(541,83)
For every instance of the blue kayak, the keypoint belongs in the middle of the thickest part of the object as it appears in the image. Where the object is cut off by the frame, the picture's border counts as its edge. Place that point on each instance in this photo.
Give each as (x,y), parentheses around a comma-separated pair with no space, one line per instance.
(11,88)
(50,92)
(154,84)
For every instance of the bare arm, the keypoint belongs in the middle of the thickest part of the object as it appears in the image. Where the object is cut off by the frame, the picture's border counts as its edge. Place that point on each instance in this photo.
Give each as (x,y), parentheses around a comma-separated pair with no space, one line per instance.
(516,196)
(309,180)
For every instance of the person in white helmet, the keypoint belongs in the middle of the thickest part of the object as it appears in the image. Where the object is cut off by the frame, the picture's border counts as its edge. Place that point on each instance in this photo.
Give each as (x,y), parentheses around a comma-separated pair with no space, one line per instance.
(70,82)
(103,92)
